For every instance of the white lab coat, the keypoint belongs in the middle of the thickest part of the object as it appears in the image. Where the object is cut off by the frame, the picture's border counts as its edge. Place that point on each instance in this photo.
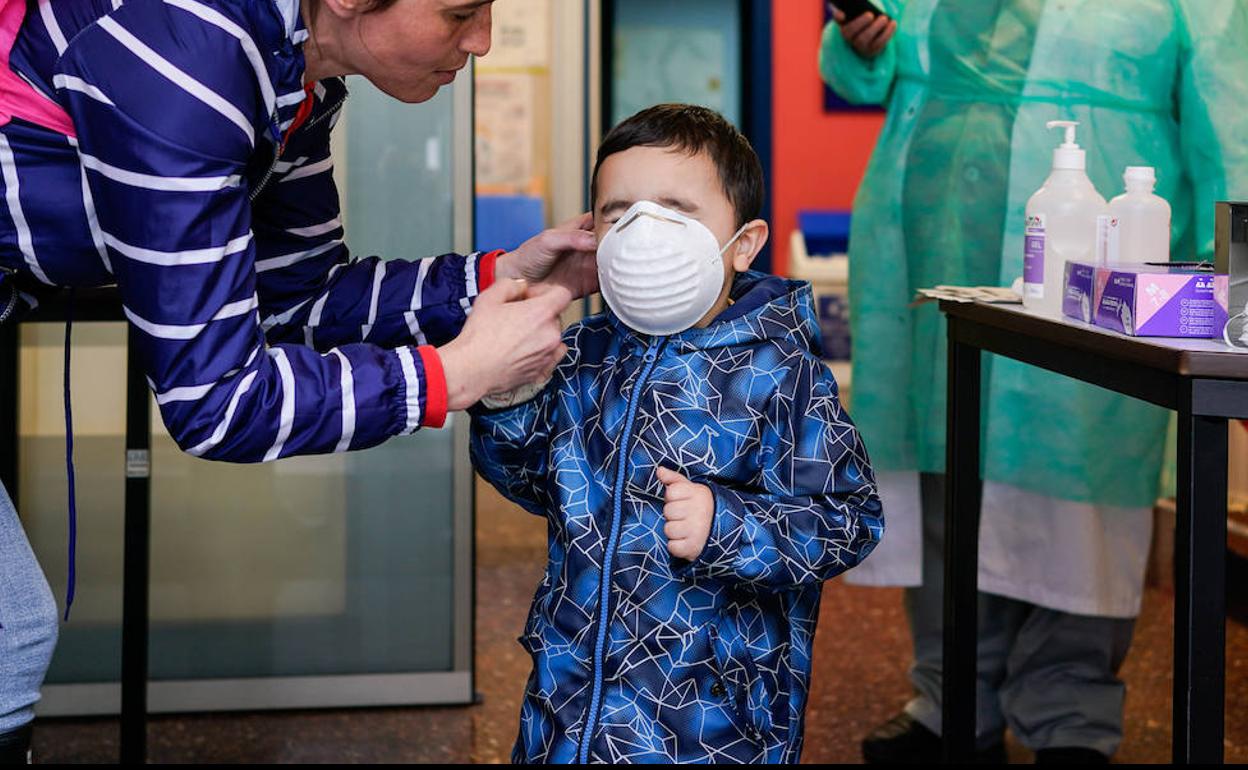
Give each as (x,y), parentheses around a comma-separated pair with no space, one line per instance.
(1073,557)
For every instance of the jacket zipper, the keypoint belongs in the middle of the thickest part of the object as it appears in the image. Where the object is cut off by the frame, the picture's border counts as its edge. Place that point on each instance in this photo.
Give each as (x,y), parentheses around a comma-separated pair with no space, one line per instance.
(277,156)
(604,596)
(9,304)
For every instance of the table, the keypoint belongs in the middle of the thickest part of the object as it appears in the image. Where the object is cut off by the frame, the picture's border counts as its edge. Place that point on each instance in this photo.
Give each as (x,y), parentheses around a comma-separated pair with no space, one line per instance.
(1206,383)
(99,305)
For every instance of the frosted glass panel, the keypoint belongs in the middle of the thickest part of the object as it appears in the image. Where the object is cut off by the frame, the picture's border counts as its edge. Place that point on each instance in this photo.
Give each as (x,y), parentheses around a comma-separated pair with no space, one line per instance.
(398,188)
(688,51)
(338,564)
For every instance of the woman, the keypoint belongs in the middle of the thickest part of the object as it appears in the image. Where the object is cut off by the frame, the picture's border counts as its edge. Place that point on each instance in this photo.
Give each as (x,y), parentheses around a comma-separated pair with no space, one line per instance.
(180,149)
(1070,471)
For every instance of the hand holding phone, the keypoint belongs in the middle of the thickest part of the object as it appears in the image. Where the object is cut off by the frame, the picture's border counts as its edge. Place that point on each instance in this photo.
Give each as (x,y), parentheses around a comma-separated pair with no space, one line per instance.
(865,27)
(852,9)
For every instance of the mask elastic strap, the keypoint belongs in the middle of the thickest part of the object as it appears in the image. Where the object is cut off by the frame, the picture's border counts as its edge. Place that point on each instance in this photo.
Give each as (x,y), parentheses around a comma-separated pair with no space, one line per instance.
(734,237)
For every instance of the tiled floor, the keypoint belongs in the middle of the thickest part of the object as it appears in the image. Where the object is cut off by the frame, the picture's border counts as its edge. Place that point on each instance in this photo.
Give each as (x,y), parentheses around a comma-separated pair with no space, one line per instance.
(861,654)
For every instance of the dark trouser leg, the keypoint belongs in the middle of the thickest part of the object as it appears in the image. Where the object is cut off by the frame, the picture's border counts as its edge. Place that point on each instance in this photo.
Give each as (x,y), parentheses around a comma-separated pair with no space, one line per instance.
(1062,688)
(999,621)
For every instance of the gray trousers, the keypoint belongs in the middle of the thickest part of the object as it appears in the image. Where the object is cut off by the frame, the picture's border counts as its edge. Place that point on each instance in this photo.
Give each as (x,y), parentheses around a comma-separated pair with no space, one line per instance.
(28,622)
(1050,676)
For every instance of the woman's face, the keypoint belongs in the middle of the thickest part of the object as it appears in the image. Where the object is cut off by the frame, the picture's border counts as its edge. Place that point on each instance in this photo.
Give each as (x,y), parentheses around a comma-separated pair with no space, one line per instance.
(414,47)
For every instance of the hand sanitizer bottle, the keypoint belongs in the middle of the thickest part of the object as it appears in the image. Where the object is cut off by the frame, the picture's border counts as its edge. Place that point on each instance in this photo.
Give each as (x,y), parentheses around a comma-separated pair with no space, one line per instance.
(1143,218)
(1061,224)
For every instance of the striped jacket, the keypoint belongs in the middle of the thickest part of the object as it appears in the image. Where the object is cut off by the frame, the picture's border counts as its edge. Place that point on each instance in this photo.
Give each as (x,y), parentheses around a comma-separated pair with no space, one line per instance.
(194,172)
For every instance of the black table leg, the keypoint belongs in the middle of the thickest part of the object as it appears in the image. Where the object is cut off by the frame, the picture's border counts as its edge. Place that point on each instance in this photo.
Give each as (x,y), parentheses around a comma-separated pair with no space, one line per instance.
(135,586)
(962,501)
(1199,590)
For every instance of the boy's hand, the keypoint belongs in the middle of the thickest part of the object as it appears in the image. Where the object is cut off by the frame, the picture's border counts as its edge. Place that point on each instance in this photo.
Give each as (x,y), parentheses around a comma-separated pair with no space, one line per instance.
(688,509)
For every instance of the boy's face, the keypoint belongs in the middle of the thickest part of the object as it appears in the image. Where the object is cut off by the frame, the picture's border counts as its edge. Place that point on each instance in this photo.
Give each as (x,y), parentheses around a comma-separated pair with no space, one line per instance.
(682,182)
(669,177)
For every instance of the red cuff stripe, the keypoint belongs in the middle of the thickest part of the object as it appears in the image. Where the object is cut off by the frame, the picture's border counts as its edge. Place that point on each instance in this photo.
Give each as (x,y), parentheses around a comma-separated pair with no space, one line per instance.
(302,114)
(485,269)
(435,387)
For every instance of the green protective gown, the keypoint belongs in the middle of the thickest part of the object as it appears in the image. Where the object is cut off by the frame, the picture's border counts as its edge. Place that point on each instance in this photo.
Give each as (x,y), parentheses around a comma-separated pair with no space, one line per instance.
(969,86)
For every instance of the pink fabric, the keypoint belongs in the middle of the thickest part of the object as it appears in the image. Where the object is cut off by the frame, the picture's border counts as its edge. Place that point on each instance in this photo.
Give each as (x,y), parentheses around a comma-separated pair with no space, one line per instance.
(17,98)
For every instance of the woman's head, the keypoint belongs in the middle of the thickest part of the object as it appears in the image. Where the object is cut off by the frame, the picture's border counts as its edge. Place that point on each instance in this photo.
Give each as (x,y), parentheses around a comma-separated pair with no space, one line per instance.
(407,48)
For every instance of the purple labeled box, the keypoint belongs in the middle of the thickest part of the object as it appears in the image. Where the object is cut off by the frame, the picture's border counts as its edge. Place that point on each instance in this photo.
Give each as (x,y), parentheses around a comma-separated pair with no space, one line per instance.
(1079,292)
(1160,301)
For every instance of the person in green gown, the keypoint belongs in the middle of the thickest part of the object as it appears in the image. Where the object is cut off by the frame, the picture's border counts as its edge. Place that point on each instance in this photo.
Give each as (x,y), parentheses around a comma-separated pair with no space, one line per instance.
(1070,471)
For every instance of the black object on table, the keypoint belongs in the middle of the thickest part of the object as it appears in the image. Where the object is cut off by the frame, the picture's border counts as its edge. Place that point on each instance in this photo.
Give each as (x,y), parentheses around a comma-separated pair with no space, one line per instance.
(87,306)
(1206,383)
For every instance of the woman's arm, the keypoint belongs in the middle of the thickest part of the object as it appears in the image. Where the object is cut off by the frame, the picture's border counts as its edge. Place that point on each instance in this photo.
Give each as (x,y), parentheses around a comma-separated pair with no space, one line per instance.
(168,113)
(310,289)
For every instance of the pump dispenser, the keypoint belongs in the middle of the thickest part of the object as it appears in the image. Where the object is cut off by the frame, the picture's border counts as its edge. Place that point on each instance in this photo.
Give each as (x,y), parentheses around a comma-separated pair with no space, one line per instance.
(1061,224)
(1068,154)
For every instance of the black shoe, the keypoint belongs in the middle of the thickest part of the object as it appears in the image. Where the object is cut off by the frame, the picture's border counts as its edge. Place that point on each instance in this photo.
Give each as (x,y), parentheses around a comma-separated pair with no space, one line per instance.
(15,746)
(904,740)
(1070,755)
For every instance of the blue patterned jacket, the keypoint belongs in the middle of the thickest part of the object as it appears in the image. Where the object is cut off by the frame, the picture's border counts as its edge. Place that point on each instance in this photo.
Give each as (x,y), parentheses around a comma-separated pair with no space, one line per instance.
(639,657)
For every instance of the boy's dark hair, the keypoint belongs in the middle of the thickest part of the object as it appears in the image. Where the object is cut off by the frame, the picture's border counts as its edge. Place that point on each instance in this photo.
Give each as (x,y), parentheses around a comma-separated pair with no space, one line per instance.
(694,129)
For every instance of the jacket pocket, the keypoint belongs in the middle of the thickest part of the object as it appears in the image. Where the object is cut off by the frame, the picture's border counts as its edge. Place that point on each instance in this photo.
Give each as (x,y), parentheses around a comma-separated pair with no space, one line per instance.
(740,680)
(530,637)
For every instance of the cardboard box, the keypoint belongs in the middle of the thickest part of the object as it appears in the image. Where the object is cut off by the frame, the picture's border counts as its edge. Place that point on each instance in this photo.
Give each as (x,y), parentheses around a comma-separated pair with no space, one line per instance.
(1160,301)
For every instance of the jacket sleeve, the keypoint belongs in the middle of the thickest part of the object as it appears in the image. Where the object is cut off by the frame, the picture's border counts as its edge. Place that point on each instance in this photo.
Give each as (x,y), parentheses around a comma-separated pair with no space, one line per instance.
(511,449)
(817,512)
(312,292)
(1213,121)
(168,112)
(855,79)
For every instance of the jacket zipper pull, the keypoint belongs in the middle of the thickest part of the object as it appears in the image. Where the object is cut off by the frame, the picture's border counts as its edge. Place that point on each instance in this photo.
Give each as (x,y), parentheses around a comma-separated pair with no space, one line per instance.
(652,352)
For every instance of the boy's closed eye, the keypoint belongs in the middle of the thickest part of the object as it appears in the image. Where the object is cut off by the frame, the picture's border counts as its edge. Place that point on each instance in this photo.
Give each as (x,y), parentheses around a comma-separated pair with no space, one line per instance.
(611,211)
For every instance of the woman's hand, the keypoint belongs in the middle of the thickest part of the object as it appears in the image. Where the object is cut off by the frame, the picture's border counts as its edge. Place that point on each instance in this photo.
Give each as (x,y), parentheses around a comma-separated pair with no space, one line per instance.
(867,34)
(562,256)
(512,337)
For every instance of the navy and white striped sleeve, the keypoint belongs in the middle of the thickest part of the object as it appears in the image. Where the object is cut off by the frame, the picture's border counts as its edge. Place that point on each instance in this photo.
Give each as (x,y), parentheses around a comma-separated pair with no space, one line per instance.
(168,105)
(311,292)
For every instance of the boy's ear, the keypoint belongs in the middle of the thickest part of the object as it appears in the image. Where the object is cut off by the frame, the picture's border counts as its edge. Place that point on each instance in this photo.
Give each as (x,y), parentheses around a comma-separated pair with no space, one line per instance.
(749,243)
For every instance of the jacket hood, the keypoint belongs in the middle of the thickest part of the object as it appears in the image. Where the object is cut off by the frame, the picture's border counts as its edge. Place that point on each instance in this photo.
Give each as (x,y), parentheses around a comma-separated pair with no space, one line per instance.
(764,307)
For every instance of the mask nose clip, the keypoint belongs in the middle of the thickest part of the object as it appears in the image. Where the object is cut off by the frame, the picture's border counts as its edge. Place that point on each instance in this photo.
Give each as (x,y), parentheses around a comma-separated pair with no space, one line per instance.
(626,223)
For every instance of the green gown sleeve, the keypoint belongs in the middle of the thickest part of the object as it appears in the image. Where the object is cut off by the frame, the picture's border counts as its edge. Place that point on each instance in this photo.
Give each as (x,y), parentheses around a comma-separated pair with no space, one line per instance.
(855,79)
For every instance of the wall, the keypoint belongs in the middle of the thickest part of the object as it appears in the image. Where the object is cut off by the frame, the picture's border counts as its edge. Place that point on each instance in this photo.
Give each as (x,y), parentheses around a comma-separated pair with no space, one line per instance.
(818,158)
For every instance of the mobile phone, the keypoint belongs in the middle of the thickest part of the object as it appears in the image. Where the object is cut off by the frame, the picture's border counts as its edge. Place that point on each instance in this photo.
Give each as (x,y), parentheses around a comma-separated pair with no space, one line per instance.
(855,8)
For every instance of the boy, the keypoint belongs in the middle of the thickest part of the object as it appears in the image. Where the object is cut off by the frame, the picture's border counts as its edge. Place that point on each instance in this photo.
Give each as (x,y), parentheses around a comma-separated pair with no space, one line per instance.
(699,483)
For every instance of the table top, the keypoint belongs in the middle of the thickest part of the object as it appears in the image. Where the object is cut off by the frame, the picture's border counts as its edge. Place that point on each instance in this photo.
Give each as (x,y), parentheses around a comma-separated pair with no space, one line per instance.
(1210,358)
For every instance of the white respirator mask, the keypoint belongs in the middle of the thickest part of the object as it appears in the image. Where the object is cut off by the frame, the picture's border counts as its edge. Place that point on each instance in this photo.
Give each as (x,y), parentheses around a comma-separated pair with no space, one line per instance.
(659,270)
